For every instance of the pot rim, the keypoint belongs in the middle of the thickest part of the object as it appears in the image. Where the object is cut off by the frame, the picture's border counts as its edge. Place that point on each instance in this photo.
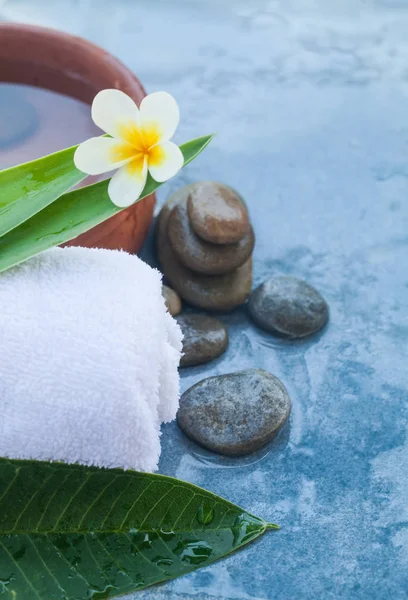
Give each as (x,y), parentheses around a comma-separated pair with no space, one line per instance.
(62,62)
(70,65)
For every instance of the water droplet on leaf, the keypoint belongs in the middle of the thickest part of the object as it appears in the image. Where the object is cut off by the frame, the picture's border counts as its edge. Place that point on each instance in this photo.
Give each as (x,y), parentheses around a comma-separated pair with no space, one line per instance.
(194,552)
(161,560)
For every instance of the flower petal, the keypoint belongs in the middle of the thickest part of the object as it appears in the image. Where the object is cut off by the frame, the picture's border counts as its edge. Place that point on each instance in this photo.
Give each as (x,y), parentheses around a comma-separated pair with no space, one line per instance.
(127,184)
(165,160)
(111,109)
(99,155)
(159,111)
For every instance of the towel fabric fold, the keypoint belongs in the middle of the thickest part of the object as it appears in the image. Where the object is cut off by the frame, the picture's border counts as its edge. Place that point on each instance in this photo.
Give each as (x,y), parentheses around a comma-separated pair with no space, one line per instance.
(89,359)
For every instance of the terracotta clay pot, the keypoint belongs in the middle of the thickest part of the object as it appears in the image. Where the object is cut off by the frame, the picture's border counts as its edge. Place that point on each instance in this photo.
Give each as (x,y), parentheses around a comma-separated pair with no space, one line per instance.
(73,66)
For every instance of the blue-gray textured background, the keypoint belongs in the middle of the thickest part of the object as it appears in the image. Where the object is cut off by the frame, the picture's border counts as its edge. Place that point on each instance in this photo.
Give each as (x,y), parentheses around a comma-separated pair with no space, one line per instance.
(309,99)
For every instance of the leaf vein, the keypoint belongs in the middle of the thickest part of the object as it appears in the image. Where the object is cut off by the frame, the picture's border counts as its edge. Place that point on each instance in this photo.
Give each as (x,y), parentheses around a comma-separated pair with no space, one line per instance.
(96,499)
(134,504)
(184,509)
(70,565)
(121,569)
(156,503)
(11,483)
(51,499)
(116,501)
(45,564)
(21,571)
(88,476)
(142,554)
(38,490)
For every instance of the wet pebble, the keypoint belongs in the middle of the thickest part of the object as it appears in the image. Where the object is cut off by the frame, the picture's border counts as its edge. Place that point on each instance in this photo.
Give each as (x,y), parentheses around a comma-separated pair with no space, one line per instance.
(172,300)
(217,213)
(205,338)
(288,307)
(234,414)
(210,292)
(201,256)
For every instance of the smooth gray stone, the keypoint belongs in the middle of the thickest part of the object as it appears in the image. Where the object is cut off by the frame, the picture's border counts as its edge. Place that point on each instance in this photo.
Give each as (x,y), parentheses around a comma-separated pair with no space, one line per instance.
(234,414)
(201,256)
(210,292)
(205,338)
(217,213)
(288,306)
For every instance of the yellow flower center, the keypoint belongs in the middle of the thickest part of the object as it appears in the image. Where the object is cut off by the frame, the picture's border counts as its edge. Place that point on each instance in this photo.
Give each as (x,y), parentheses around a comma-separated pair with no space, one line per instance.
(139,144)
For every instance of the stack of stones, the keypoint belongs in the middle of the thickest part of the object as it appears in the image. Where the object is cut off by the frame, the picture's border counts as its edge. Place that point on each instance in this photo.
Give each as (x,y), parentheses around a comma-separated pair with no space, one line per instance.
(204,245)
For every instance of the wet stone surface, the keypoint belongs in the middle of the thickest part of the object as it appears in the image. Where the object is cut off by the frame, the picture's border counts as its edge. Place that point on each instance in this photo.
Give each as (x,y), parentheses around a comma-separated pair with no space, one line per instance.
(288,306)
(217,213)
(210,292)
(234,414)
(205,338)
(201,256)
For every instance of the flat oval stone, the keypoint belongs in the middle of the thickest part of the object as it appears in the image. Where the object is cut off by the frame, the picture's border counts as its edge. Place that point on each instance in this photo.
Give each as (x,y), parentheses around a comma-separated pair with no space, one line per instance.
(204,339)
(172,300)
(217,213)
(201,256)
(210,292)
(234,414)
(288,306)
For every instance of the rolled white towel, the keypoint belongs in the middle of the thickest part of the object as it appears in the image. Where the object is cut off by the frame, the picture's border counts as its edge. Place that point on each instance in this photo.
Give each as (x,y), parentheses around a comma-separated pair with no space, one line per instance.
(89,359)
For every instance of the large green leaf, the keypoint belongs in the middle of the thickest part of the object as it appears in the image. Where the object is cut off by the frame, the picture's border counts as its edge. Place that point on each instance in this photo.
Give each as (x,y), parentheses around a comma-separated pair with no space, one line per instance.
(30,187)
(71,532)
(73,214)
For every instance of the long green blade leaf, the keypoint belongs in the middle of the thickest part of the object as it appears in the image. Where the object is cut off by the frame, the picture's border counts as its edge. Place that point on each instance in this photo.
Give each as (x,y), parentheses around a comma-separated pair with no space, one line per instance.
(73,214)
(68,531)
(30,187)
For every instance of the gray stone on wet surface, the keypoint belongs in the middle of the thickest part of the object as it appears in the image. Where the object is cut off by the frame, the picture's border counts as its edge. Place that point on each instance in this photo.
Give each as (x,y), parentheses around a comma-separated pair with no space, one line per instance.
(210,292)
(202,256)
(288,306)
(204,338)
(217,213)
(234,414)
(172,300)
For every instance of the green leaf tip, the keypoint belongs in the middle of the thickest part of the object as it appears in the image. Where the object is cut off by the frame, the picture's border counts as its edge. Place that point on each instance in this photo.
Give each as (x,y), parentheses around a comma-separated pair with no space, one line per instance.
(198,145)
(272,526)
(69,531)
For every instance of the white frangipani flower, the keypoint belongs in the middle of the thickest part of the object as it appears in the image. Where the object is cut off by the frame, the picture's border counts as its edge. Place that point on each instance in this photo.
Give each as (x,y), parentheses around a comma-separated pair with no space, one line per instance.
(140,143)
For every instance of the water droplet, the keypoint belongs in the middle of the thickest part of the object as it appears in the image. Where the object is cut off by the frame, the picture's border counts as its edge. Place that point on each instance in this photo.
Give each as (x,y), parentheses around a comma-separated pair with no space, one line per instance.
(138,580)
(104,593)
(193,552)
(146,543)
(162,560)
(5,582)
(166,535)
(205,514)
(245,527)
